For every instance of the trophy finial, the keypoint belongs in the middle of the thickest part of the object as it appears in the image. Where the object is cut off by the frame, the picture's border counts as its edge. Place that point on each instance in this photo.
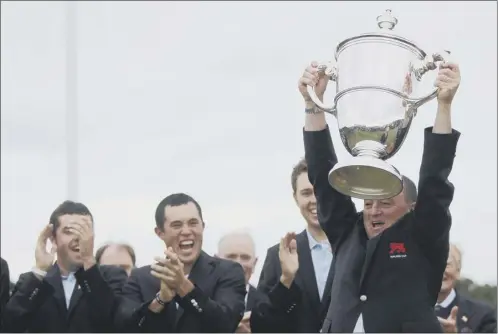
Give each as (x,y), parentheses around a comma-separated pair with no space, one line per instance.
(387,20)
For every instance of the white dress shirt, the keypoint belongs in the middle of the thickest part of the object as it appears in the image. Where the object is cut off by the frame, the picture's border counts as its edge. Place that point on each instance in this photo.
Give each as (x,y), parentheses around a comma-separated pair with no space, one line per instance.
(68,284)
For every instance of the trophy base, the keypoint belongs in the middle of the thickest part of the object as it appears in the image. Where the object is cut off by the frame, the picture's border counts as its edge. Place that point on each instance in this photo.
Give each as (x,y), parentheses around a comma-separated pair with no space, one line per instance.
(366,177)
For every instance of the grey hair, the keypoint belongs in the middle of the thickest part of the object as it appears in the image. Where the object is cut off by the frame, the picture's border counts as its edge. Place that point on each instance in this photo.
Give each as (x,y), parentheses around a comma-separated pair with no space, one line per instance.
(241,232)
(410,190)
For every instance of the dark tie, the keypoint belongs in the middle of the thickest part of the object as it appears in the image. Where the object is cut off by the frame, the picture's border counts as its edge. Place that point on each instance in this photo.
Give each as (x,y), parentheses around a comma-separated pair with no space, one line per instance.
(442,312)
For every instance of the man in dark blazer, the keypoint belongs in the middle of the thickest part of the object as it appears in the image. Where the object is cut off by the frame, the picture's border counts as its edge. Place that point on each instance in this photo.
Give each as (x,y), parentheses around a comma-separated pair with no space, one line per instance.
(302,308)
(4,286)
(390,258)
(186,290)
(458,313)
(239,246)
(72,295)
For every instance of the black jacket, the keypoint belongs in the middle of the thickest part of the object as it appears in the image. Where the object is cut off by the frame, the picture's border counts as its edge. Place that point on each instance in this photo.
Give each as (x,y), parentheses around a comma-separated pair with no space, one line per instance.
(473,316)
(295,310)
(215,305)
(39,305)
(253,298)
(394,278)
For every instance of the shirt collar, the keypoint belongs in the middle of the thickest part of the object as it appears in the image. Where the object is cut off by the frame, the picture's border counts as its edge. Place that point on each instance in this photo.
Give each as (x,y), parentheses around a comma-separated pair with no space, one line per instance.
(448,300)
(69,277)
(313,243)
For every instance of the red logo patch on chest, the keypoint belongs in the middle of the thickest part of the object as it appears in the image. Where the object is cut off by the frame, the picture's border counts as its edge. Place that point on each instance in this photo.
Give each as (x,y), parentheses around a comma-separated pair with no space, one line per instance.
(397,250)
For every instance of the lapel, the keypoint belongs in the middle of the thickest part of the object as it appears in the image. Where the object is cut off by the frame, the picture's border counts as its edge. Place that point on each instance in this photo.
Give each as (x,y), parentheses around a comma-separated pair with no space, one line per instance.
(251,298)
(465,314)
(198,276)
(75,298)
(371,246)
(306,271)
(54,279)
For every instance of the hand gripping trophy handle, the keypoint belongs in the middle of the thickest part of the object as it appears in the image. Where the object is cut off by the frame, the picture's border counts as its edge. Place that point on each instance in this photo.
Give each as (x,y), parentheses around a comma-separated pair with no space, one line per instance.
(330,70)
(429,64)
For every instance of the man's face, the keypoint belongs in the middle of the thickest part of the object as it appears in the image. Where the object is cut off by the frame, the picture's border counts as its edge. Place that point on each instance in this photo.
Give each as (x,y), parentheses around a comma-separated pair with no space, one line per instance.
(68,250)
(239,248)
(183,231)
(379,215)
(116,255)
(305,200)
(452,271)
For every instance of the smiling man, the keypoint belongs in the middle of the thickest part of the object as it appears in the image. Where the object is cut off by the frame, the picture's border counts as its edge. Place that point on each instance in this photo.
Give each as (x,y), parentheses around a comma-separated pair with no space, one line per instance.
(74,294)
(390,258)
(456,312)
(185,290)
(299,304)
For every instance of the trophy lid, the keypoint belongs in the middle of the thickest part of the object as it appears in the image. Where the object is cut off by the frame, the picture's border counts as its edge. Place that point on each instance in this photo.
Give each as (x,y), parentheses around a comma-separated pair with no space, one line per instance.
(386,23)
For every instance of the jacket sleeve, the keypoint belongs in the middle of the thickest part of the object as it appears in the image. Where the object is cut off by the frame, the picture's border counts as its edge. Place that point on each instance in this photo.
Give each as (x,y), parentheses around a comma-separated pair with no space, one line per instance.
(28,296)
(102,285)
(133,314)
(432,220)
(223,312)
(275,311)
(336,212)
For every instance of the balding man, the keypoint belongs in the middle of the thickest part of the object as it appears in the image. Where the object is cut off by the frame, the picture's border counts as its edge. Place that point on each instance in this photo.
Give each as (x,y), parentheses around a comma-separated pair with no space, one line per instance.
(115,254)
(239,246)
(458,313)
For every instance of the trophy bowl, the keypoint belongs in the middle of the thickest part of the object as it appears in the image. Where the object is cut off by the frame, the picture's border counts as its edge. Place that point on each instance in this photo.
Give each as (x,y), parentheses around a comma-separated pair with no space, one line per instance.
(376,76)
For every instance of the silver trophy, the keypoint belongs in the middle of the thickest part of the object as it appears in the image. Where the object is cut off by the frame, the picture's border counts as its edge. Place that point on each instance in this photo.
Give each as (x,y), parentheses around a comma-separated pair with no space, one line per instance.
(376,76)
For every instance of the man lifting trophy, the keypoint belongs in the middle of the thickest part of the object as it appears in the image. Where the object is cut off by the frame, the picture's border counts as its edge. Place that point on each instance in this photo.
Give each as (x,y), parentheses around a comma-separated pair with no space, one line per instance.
(376,76)
(389,258)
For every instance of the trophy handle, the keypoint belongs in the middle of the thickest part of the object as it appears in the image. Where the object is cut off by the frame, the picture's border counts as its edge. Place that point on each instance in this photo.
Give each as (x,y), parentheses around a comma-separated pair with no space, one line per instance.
(330,70)
(430,63)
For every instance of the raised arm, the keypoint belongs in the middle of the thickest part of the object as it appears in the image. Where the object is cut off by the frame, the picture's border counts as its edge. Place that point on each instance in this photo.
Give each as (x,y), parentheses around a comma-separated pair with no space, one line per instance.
(432,215)
(336,212)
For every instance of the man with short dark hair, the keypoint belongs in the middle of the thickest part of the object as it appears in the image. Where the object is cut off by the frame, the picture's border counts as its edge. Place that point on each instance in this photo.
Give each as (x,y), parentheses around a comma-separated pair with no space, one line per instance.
(115,254)
(185,290)
(298,303)
(73,294)
(388,259)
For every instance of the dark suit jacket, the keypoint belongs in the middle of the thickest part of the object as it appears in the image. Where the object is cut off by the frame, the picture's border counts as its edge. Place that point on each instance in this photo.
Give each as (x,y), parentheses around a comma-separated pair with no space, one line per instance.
(474,316)
(215,305)
(298,309)
(394,278)
(253,298)
(40,306)
(4,287)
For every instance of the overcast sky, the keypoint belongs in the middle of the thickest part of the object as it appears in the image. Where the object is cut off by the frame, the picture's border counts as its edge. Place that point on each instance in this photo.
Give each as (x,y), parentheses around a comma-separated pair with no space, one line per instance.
(201,98)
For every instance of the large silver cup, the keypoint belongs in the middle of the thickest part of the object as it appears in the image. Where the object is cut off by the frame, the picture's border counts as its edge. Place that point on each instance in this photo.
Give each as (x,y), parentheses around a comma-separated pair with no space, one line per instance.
(376,76)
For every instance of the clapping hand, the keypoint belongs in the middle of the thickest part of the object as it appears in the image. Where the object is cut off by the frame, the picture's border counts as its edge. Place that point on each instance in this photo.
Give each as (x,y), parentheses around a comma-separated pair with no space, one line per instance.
(43,258)
(170,271)
(288,258)
(244,325)
(166,293)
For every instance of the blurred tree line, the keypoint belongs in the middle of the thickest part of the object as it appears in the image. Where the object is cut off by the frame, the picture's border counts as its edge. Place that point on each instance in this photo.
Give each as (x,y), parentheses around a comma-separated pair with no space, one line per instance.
(485,293)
